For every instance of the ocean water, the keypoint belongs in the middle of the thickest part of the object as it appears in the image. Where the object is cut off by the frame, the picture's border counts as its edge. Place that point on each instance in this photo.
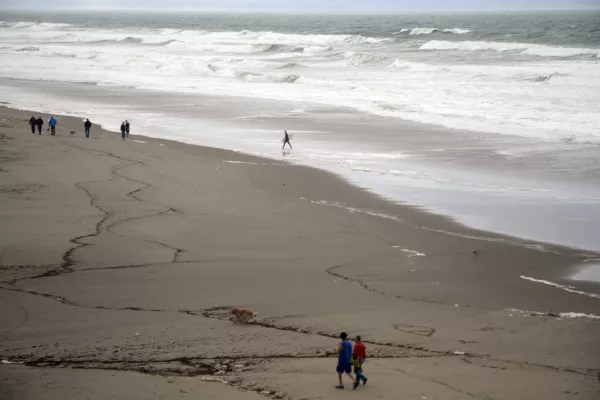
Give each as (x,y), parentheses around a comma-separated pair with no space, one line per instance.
(489,118)
(523,74)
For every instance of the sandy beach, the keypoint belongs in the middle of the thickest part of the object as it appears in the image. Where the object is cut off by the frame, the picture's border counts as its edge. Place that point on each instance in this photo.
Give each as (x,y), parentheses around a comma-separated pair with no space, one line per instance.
(120,261)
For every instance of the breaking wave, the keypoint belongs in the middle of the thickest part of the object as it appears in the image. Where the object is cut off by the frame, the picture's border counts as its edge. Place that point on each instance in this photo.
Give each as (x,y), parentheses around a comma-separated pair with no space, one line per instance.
(429,31)
(522,48)
(31,48)
(130,39)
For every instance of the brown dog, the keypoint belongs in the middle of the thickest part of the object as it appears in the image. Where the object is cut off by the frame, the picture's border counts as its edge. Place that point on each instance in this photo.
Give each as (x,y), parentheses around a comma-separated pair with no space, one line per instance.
(242,315)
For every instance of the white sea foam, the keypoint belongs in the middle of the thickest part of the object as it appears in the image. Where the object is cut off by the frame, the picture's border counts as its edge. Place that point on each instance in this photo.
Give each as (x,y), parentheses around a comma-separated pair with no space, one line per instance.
(423,31)
(566,315)
(523,48)
(429,31)
(413,253)
(239,162)
(566,288)
(456,31)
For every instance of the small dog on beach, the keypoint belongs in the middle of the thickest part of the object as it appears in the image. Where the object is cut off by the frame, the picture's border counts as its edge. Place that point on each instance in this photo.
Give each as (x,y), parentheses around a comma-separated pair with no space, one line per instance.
(71,133)
(242,315)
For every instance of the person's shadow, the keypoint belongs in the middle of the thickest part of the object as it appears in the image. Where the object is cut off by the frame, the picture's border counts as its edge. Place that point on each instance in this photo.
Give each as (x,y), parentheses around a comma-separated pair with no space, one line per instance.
(286,152)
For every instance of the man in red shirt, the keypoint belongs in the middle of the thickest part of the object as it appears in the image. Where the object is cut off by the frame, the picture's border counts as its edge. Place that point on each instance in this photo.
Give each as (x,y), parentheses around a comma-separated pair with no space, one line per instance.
(359,354)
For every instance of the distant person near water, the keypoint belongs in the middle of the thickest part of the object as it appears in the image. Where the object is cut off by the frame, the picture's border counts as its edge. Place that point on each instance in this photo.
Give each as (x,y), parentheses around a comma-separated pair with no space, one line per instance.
(123,130)
(359,354)
(286,139)
(87,126)
(52,124)
(32,123)
(40,124)
(344,366)
(127,127)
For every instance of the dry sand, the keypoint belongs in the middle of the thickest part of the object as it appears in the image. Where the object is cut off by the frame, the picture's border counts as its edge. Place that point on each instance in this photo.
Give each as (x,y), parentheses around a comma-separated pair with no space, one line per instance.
(120,259)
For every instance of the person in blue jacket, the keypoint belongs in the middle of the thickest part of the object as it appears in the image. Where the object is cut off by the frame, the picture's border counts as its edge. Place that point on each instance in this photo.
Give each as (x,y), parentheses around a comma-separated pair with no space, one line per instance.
(52,123)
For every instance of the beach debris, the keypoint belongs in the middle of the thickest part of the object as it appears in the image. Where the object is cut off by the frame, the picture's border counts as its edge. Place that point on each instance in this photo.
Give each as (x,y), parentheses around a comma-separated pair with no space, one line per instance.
(459,353)
(238,367)
(208,378)
(242,315)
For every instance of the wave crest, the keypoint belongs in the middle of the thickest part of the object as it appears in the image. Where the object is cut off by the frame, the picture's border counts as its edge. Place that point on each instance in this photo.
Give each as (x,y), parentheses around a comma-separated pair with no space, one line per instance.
(523,48)
(429,31)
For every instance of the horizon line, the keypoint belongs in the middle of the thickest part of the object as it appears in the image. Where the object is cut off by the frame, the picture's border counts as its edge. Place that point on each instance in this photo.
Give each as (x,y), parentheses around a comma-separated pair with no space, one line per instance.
(303,11)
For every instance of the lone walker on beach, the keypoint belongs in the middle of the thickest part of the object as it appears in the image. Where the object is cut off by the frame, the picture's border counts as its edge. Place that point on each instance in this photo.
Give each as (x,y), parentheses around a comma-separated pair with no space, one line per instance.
(286,139)
(344,351)
(52,124)
(32,123)
(40,124)
(87,126)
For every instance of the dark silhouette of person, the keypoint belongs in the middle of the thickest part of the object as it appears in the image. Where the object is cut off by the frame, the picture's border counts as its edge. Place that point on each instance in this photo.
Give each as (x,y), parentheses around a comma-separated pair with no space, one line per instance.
(127,127)
(123,130)
(40,123)
(286,139)
(87,126)
(32,123)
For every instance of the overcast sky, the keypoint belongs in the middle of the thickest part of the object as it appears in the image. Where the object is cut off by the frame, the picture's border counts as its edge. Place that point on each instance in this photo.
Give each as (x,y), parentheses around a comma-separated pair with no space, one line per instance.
(304,5)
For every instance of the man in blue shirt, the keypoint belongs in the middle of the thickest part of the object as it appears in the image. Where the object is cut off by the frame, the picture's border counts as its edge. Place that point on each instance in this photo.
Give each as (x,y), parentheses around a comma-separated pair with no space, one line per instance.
(344,351)
(52,124)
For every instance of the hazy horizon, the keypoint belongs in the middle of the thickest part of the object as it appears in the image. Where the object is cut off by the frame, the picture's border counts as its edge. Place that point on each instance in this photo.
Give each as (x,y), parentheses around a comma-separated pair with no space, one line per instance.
(307,6)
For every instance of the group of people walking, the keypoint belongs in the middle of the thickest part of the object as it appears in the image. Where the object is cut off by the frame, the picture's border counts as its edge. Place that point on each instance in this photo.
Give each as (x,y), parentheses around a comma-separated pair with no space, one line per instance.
(348,358)
(124,129)
(39,124)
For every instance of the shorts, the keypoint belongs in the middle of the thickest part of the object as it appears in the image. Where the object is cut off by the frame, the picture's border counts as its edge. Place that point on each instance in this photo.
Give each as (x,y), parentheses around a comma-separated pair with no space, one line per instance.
(341,368)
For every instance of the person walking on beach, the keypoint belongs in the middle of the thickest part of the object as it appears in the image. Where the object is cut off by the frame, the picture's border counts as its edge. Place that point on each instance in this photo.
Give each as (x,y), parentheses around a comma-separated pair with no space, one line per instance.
(32,123)
(40,124)
(127,127)
(123,130)
(286,139)
(344,366)
(359,354)
(87,126)
(52,124)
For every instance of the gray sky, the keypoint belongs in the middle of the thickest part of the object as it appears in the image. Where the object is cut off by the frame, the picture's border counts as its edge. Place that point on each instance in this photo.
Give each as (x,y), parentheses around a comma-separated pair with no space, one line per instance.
(305,5)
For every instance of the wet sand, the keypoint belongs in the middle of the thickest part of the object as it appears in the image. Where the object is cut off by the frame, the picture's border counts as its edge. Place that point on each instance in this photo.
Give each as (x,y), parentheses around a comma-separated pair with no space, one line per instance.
(120,259)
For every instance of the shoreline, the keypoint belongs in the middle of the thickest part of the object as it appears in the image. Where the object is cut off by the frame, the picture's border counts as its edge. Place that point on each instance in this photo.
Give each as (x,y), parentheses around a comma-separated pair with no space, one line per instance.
(384,208)
(127,256)
(548,196)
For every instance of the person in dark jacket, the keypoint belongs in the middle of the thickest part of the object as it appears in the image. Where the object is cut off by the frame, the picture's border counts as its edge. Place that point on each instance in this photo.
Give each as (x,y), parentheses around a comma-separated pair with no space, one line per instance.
(127,127)
(87,126)
(32,123)
(123,130)
(40,124)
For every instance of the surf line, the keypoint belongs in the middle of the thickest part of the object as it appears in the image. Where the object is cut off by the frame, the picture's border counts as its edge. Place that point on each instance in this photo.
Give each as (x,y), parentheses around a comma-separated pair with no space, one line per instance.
(567,288)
